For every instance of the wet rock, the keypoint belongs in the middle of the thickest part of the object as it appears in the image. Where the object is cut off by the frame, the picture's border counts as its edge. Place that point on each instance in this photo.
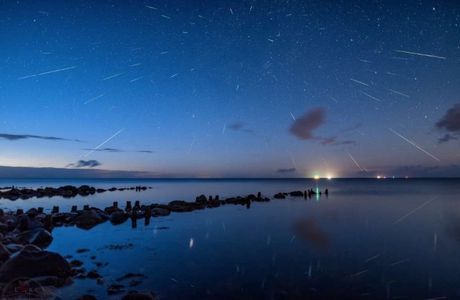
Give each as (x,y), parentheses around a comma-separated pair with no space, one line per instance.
(201,199)
(76,263)
(31,261)
(296,194)
(39,237)
(90,218)
(118,217)
(93,274)
(115,289)
(159,211)
(139,296)
(13,248)
(4,253)
(279,196)
(184,206)
(82,250)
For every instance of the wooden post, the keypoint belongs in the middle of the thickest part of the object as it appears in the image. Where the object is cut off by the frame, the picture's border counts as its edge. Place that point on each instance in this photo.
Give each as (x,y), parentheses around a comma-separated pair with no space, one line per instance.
(115,204)
(74,209)
(86,207)
(128,205)
(55,210)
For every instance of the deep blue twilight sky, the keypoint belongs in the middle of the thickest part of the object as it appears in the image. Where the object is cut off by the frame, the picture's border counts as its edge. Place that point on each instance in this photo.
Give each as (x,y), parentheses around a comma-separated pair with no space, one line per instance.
(232,88)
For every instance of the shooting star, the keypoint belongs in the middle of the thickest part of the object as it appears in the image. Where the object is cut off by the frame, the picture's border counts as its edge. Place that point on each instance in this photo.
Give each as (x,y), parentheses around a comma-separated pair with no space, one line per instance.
(104,142)
(47,72)
(136,79)
(414,144)
(93,99)
(292,116)
(359,82)
(356,163)
(413,211)
(151,7)
(398,93)
(420,54)
(370,96)
(112,76)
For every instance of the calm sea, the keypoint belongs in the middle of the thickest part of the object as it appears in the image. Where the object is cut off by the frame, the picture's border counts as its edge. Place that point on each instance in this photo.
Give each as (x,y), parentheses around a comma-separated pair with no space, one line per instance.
(370,239)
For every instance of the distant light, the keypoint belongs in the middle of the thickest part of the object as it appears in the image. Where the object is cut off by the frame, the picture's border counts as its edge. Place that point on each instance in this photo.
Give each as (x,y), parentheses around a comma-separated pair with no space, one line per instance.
(379,177)
(316,177)
(191,243)
(329,177)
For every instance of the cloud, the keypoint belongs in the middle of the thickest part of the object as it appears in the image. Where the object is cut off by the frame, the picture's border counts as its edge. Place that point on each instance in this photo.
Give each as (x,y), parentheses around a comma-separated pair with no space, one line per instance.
(450,123)
(239,126)
(332,141)
(451,120)
(115,150)
(288,170)
(447,137)
(16,137)
(85,164)
(303,127)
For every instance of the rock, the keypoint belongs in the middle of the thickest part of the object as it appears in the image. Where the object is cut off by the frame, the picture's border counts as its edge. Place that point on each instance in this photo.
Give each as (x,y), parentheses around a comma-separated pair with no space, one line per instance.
(31,261)
(4,253)
(93,274)
(118,217)
(39,237)
(115,289)
(76,263)
(13,248)
(89,218)
(82,250)
(158,211)
(296,194)
(201,199)
(138,296)
(279,196)
(183,206)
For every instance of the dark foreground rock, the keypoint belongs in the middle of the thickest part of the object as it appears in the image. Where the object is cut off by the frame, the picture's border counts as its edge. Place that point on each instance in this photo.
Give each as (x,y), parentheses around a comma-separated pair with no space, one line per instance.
(31,262)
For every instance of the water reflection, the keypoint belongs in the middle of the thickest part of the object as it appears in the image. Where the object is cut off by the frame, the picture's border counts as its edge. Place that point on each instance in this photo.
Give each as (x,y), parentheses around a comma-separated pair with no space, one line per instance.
(351,246)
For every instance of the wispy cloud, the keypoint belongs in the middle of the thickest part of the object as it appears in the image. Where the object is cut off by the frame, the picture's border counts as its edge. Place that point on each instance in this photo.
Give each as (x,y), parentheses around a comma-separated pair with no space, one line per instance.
(16,137)
(239,126)
(116,150)
(287,170)
(85,164)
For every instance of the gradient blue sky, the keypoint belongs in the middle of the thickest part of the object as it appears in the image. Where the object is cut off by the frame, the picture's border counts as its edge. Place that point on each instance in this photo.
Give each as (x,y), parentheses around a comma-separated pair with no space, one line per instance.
(209,86)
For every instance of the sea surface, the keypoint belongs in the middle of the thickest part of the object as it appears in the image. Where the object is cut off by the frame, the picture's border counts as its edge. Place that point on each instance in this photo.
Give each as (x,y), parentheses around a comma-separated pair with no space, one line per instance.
(369,239)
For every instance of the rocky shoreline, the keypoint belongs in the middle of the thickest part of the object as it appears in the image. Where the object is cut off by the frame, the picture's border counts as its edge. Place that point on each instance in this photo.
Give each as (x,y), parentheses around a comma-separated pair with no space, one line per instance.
(67,191)
(24,236)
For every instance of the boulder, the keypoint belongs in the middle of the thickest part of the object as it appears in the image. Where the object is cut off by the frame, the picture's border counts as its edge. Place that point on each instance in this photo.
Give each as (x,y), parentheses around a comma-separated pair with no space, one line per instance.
(279,196)
(118,217)
(201,199)
(90,218)
(4,253)
(296,194)
(31,261)
(39,237)
(160,211)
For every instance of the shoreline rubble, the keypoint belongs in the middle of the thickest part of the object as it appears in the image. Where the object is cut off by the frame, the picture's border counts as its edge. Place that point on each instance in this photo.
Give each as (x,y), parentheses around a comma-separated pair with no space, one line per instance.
(25,235)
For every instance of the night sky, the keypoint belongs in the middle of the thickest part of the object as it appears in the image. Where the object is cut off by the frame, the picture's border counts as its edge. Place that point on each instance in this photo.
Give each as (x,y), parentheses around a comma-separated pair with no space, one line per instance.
(232,88)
